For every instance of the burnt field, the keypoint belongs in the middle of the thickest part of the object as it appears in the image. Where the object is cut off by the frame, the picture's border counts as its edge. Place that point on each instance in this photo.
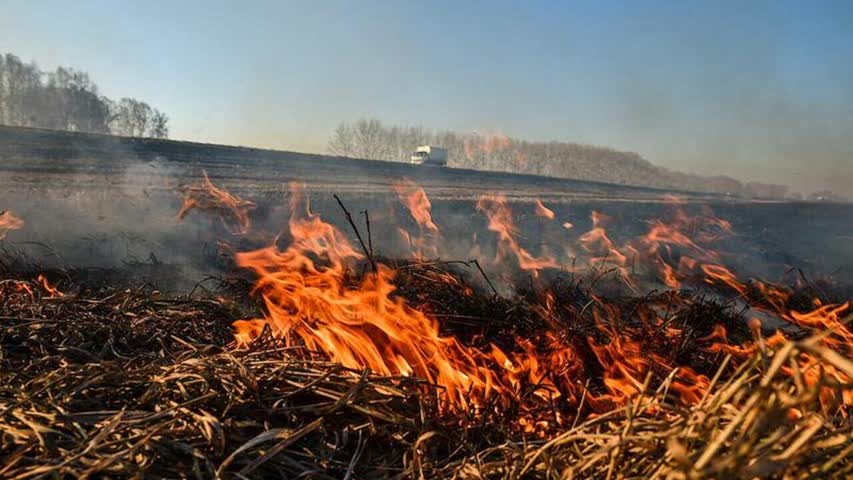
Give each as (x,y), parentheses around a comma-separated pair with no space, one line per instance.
(113,200)
(43,159)
(290,315)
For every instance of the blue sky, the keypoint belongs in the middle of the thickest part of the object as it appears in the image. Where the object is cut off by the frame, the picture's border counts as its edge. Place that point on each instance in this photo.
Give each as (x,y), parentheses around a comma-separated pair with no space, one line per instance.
(756,90)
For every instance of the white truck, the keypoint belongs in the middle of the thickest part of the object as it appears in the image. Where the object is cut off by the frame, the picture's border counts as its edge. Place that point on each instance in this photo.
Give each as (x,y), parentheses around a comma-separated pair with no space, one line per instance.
(430,155)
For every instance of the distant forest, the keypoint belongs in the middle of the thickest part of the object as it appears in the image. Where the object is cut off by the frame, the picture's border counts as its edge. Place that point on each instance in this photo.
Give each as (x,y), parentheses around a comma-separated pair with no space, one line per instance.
(369,138)
(67,99)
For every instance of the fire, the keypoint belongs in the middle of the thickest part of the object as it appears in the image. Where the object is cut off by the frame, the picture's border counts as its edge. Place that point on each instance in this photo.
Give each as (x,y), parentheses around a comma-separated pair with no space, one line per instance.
(603,250)
(53,291)
(311,299)
(817,372)
(11,287)
(721,274)
(670,277)
(543,211)
(308,297)
(501,222)
(830,319)
(314,300)
(9,222)
(672,252)
(416,201)
(232,210)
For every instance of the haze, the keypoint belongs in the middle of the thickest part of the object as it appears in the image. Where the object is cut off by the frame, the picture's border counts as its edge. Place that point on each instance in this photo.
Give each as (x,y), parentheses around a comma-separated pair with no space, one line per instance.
(755,90)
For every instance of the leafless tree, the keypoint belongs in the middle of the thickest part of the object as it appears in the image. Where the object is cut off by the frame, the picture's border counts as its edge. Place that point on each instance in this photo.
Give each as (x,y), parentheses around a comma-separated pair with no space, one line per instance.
(159,127)
(342,142)
(68,99)
(369,138)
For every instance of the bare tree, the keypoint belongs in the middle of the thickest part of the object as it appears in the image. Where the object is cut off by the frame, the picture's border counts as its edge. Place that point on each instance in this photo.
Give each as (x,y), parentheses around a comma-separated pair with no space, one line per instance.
(68,99)
(159,125)
(369,138)
(342,143)
(21,81)
(76,104)
(131,118)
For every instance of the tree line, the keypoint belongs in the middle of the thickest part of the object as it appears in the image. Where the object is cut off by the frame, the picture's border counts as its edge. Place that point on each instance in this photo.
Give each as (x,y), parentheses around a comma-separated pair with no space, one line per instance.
(68,99)
(371,139)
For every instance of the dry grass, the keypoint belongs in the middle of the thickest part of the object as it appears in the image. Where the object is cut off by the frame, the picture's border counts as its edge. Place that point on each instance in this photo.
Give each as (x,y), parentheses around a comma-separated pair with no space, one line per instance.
(746,428)
(130,383)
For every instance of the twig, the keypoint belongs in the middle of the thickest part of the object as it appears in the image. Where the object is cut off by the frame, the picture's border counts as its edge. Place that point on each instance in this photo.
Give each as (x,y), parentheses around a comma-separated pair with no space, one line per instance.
(369,234)
(357,233)
(477,264)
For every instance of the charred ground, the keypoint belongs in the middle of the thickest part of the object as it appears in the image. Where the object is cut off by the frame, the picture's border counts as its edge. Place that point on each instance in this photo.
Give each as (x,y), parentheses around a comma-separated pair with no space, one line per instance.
(107,374)
(113,199)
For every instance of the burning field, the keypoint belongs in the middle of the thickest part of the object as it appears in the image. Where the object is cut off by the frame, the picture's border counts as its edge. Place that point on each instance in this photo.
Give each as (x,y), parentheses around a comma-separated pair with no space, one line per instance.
(313,354)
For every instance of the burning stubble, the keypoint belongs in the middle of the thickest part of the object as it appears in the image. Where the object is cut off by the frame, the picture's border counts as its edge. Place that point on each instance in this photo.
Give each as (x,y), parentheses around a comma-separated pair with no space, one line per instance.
(312,299)
(618,335)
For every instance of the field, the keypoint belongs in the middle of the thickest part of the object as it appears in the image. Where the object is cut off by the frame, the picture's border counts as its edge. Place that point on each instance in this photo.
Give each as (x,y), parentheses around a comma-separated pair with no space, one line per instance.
(102,185)
(298,315)
(48,159)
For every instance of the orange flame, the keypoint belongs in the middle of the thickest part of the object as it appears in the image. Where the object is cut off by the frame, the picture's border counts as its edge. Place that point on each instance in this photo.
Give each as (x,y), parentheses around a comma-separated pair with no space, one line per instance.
(723,275)
(312,299)
(9,222)
(543,211)
(826,318)
(361,327)
(232,210)
(604,250)
(53,291)
(419,206)
(502,223)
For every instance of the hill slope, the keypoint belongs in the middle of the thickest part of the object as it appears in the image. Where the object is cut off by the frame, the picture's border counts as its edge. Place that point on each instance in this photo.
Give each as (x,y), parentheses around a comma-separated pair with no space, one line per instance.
(33,158)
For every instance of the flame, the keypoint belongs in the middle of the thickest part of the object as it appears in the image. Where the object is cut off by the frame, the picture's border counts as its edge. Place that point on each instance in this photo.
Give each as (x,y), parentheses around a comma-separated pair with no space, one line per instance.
(828,318)
(721,274)
(543,211)
(604,250)
(816,372)
(501,222)
(53,291)
(9,222)
(24,288)
(416,201)
(676,247)
(232,210)
(17,287)
(313,300)
(307,295)
(670,277)
(671,251)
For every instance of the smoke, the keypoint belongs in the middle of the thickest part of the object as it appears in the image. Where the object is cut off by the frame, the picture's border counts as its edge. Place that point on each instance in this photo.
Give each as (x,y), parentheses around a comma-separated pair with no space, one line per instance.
(130,223)
(114,204)
(122,221)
